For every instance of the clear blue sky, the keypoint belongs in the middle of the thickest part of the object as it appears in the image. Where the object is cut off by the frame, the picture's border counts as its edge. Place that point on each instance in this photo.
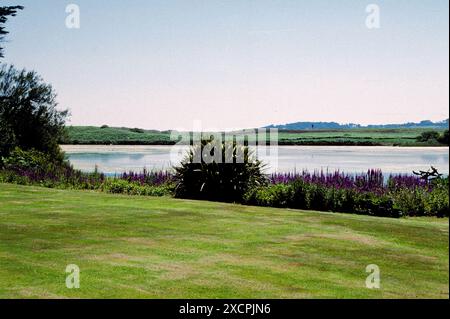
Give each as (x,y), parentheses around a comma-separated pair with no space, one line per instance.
(237,63)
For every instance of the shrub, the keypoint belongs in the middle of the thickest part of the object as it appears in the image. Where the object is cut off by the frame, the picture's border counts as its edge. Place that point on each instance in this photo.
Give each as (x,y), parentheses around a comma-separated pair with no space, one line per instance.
(437,201)
(428,136)
(410,201)
(34,167)
(20,159)
(225,177)
(118,186)
(279,195)
(376,205)
(444,138)
(317,198)
(300,194)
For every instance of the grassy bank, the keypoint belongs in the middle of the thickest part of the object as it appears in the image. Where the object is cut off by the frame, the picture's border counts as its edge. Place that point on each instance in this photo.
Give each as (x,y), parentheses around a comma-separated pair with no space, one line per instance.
(127,136)
(167,248)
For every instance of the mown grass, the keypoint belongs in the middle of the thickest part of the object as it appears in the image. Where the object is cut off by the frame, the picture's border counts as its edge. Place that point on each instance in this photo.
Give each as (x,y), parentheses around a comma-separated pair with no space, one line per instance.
(123,136)
(135,247)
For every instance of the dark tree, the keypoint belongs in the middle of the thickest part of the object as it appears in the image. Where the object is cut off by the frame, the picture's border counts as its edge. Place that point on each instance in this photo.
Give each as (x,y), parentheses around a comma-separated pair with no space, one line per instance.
(29,117)
(5,13)
(428,136)
(444,138)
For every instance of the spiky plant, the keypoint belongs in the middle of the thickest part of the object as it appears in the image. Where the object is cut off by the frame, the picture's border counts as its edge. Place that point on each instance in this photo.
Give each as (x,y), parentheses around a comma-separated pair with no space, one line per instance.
(223,176)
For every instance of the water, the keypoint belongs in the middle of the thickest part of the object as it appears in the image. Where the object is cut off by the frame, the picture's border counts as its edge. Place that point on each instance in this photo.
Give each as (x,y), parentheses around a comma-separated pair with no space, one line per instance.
(350,159)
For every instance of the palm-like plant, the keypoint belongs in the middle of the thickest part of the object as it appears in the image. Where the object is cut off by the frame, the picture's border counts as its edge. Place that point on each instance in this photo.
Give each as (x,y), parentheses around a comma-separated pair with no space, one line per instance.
(224,177)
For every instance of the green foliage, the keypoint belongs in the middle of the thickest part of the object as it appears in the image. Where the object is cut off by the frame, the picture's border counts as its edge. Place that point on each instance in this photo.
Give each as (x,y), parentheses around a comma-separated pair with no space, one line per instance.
(28,113)
(376,205)
(37,168)
(117,186)
(428,136)
(401,202)
(5,12)
(34,167)
(106,135)
(199,177)
(137,130)
(444,138)
(24,159)
(120,136)
(278,195)
(7,139)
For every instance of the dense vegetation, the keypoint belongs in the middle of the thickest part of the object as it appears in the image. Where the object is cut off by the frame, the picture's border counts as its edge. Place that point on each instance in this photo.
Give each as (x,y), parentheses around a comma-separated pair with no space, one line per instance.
(29,117)
(434,137)
(134,136)
(370,193)
(106,135)
(37,168)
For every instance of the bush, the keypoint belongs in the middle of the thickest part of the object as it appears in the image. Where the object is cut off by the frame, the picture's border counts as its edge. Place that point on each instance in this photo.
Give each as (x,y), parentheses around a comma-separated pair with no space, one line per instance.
(279,195)
(118,186)
(300,194)
(437,201)
(318,198)
(376,205)
(444,138)
(34,167)
(26,160)
(428,136)
(227,179)
(410,201)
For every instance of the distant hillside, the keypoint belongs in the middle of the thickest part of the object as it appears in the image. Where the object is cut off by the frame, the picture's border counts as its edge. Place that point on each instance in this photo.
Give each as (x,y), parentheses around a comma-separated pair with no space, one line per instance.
(334,125)
(90,135)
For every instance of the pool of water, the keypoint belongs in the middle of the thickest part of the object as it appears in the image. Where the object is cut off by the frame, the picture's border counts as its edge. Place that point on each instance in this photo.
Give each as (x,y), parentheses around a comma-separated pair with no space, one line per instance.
(350,159)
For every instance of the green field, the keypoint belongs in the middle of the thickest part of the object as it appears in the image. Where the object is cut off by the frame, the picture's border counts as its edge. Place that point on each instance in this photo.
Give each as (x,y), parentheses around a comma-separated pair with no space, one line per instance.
(167,248)
(388,137)
(385,137)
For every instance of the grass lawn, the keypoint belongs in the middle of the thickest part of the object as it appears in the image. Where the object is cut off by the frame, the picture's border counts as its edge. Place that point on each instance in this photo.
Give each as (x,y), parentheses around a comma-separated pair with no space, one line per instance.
(165,248)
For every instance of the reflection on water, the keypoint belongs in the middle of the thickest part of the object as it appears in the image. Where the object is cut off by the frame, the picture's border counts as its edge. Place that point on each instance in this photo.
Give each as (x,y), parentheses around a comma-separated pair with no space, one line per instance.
(351,159)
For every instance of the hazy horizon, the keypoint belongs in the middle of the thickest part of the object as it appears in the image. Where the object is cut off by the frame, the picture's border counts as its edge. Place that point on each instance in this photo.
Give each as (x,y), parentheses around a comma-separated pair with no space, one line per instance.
(256,127)
(237,64)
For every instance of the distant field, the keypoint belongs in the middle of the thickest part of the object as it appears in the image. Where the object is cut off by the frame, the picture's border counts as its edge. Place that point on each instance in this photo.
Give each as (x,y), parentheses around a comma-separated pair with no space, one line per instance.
(116,135)
(127,136)
(143,247)
(385,137)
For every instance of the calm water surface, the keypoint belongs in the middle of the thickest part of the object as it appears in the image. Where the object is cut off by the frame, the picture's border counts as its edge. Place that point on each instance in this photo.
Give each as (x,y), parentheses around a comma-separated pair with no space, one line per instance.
(351,159)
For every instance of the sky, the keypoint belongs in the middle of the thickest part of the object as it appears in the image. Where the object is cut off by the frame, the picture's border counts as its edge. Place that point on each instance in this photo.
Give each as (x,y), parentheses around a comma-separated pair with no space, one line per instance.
(167,64)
